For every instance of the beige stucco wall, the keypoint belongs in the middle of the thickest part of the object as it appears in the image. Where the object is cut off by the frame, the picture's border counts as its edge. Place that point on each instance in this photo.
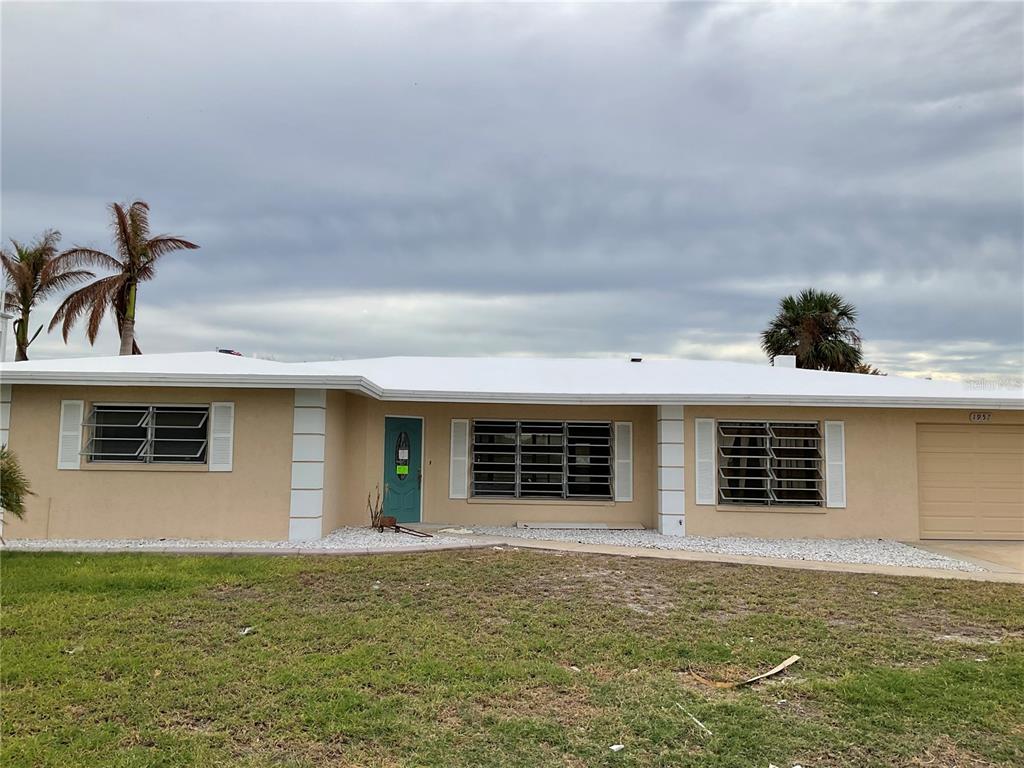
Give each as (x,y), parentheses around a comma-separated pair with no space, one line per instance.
(124,501)
(881,475)
(252,501)
(363,463)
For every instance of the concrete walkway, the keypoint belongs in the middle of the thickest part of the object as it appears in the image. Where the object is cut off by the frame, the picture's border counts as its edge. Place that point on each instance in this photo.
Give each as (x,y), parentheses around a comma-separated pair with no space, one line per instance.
(998,556)
(998,575)
(243,550)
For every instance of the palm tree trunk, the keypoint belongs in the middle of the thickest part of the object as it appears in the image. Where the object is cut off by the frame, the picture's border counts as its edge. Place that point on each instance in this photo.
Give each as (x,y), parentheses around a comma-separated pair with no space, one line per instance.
(136,350)
(21,339)
(127,337)
(128,324)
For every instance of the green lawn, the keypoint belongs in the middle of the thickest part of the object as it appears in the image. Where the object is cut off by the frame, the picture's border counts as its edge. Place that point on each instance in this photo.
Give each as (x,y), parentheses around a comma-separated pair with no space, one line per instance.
(466,659)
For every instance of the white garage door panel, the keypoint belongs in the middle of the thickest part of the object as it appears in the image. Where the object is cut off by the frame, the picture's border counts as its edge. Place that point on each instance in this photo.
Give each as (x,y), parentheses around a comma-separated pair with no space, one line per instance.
(971,481)
(943,493)
(998,467)
(999,494)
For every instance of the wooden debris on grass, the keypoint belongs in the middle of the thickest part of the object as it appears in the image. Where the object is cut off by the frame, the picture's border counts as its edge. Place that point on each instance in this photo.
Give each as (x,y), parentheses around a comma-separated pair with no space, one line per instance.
(756,678)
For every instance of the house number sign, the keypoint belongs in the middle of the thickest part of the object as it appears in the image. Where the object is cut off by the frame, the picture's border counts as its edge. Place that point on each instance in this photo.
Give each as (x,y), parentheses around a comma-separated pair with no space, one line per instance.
(980,417)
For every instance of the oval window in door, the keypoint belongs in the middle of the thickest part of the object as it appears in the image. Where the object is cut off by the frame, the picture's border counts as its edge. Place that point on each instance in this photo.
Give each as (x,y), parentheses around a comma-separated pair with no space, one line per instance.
(402,455)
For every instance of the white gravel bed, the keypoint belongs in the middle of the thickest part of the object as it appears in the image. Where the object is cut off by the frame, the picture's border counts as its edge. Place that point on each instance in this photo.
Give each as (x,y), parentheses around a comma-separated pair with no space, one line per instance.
(860,551)
(342,540)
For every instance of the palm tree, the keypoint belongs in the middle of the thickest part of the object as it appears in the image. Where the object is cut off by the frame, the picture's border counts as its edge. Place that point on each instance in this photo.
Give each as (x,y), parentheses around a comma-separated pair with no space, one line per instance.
(818,327)
(868,369)
(32,273)
(136,263)
(14,486)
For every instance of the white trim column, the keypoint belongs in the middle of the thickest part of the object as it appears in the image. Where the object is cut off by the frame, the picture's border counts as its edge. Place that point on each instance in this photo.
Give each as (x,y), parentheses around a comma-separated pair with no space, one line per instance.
(306,506)
(671,471)
(5,412)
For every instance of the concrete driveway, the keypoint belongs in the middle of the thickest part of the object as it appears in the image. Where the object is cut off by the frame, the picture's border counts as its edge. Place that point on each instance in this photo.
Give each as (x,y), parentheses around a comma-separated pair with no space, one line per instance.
(999,556)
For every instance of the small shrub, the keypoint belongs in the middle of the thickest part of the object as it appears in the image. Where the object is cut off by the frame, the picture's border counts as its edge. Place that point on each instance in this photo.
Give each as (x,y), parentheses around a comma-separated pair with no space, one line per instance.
(14,486)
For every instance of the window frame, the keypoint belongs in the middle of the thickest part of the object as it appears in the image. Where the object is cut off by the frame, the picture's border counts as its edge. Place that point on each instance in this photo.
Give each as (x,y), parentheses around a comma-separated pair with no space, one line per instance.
(565,466)
(779,478)
(146,455)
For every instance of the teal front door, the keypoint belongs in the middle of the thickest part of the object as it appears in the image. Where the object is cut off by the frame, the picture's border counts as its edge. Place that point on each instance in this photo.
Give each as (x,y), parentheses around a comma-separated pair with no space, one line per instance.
(403,468)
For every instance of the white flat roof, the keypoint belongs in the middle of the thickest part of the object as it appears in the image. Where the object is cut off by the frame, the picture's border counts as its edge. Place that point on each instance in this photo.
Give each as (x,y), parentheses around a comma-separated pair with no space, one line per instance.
(523,380)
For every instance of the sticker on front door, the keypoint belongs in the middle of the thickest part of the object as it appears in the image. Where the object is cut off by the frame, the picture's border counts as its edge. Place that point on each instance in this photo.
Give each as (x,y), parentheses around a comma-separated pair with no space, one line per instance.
(402,455)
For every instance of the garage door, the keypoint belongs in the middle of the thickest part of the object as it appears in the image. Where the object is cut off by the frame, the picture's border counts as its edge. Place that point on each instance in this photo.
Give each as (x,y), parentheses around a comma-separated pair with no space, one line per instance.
(971,481)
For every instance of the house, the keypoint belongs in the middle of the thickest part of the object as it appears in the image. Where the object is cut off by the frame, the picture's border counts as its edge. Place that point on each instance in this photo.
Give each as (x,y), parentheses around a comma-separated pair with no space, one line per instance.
(208,445)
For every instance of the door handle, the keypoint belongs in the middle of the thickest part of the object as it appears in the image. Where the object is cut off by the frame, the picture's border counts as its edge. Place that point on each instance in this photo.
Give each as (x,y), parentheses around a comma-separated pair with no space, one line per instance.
(419,479)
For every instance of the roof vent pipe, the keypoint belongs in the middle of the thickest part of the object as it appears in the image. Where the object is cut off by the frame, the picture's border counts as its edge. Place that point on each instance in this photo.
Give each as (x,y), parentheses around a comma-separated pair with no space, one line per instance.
(785,361)
(636,357)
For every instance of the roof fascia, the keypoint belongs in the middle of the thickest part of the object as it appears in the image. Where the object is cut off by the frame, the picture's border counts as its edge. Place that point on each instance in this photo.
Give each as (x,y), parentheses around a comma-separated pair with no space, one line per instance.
(366,387)
(234,380)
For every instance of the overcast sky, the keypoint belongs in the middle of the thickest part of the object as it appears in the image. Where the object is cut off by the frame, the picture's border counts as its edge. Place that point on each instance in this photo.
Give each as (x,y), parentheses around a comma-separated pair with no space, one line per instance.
(549,180)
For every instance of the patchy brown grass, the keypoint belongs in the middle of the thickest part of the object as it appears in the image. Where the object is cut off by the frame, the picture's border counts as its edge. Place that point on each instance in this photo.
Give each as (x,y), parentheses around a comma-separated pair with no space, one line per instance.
(945,753)
(466,659)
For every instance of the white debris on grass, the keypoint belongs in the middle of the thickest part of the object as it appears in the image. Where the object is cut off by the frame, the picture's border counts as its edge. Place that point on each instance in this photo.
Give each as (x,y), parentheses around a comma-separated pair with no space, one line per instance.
(341,540)
(860,551)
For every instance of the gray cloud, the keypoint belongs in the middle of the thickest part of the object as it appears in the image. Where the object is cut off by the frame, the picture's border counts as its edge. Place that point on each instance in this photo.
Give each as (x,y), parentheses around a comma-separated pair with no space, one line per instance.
(503,179)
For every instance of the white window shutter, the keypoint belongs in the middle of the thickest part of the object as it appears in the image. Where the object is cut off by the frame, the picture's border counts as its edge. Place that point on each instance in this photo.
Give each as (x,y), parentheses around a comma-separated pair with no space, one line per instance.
(704,450)
(623,461)
(458,468)
(835,464)
(69,443)
(220,454)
